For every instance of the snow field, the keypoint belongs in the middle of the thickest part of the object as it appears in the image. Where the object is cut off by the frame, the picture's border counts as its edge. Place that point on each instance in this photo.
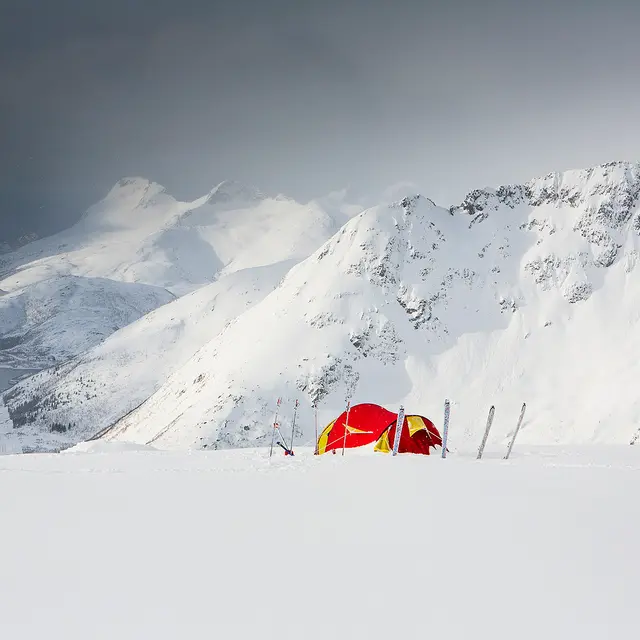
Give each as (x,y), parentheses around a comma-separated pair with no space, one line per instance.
(116,540)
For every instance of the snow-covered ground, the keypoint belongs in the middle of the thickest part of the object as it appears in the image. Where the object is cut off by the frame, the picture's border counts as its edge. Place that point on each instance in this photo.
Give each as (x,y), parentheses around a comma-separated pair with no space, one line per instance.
(121,541)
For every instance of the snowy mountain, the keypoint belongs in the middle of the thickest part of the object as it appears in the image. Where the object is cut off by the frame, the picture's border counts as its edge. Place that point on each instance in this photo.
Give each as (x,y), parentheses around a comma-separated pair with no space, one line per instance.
(521,293)
(57,318)
(256,241)
(139,233)
(504,299)
(103,384)
(138,249)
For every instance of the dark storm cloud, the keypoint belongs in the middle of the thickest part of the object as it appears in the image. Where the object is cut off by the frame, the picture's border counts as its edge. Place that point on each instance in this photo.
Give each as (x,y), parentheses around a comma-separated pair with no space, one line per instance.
(302,98)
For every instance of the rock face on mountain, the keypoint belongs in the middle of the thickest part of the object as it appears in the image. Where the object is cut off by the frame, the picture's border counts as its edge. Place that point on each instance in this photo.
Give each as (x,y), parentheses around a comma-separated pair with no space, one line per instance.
(522,293)
(606,196)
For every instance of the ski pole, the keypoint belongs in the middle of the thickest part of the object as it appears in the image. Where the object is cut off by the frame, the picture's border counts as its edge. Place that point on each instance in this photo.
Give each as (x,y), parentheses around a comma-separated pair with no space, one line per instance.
(275,426)
(293,424)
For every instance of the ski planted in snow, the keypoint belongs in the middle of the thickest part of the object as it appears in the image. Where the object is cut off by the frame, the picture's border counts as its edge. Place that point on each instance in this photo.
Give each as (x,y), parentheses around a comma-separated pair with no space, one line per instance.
(275,426)
(486,431)
(399,425)
(293,426)
(445,428)
(515,433)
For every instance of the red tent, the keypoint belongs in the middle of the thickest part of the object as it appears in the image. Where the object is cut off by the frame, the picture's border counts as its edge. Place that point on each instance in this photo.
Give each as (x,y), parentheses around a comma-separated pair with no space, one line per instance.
(418,435)
(369,423)
(366,423)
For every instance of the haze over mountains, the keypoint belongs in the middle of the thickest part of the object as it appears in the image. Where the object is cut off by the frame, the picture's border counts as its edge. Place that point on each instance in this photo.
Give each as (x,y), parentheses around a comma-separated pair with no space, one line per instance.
(179,324)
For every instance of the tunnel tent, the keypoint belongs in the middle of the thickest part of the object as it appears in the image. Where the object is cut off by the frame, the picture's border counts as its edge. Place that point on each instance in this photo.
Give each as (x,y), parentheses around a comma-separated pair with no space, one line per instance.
(418,435)
(367,422)
(371,423)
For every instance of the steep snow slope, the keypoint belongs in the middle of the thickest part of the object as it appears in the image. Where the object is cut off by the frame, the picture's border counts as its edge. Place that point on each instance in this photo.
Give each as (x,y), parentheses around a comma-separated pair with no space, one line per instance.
(135,544)
(60,317)
(526,293)
(140,234)
(92,391)
(89,393)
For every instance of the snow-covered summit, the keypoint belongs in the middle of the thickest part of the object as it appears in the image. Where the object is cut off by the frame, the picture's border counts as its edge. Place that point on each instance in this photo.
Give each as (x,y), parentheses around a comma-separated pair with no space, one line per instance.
(133,205)
(232,191)
(134,185)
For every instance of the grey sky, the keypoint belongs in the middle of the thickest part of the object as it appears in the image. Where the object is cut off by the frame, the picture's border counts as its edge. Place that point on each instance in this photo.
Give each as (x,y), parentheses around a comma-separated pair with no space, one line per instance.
(303,98)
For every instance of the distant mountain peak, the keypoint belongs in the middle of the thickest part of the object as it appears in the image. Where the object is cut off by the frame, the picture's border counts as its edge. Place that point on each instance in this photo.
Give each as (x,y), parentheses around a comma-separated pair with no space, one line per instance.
(234,191)
(410,202)
(134,187)
(135,184)
(129,181)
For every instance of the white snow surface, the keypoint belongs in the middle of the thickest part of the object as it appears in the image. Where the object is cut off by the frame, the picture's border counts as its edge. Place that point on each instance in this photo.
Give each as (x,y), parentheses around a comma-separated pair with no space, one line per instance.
(144,544)
(525,293)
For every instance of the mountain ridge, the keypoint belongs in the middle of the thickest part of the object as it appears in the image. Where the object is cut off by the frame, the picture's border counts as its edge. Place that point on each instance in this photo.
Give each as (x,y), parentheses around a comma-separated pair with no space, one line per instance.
(411,302)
